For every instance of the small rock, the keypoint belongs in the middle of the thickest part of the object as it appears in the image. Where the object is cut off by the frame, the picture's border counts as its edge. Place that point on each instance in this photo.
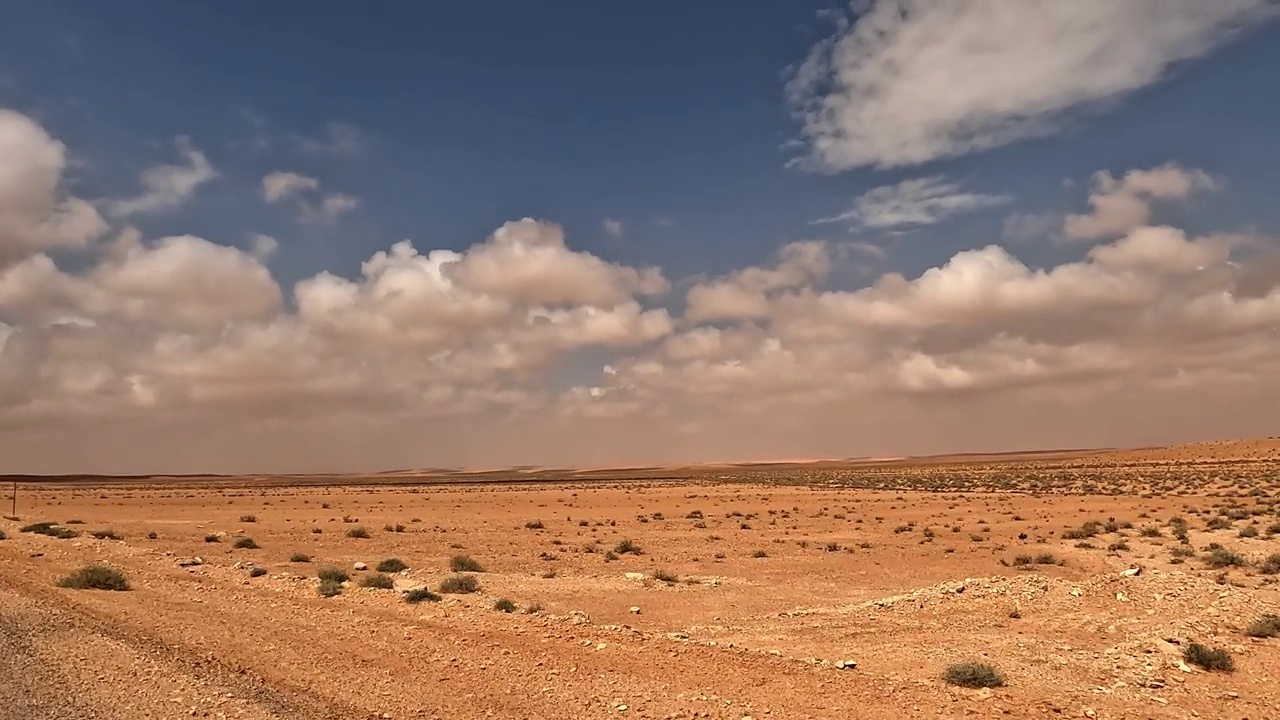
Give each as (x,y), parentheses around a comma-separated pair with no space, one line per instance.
(634,576)
(1131,572)
(635,609)
(361,566)
(846,664)
(1122,597)
(960,588)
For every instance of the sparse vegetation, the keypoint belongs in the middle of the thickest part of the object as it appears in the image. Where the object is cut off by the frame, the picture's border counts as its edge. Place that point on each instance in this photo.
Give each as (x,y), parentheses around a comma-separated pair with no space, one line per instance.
(329,588)
(392,565)
(504,605)
(973,675)
(464,563)
(333,574)
(460,584)
(627,547)
(1208,658)
(379,581)
(666,577)
(533,525)
(212,538)
(245,543)
(106,534)
(1270,565)
(1265,626)
(51,529)
(1220,557)
(95,577)
(759,554)
(417,595)
(299,558)
(359,532)
(257,572)
(248,518)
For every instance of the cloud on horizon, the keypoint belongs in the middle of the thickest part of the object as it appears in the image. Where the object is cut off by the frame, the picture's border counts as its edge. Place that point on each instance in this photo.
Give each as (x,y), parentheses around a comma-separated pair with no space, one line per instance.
(120,352)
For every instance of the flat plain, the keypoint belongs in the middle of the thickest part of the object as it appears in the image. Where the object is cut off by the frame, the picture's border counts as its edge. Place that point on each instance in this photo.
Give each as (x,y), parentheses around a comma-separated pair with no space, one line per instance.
(837,589)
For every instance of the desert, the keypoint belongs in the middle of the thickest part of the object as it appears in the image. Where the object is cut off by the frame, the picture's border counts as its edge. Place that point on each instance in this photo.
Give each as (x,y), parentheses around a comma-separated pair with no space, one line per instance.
(782,590)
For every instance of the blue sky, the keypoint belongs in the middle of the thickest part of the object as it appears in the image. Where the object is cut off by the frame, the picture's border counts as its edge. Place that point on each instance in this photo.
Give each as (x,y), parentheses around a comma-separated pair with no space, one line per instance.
(667,117)
(699,140)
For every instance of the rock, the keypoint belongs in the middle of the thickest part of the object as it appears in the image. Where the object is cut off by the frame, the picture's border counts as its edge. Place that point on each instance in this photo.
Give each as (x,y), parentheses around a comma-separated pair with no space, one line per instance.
(1131,572)
(960,588)
(846,664)
(1122,597)
(633,576)
(190,562)
(361,566)
(577,617)
(635,609)
(404,585)
(1075,592)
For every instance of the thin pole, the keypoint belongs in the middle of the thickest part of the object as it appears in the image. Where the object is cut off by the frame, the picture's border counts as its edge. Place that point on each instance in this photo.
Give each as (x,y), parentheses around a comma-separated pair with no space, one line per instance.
(14,511)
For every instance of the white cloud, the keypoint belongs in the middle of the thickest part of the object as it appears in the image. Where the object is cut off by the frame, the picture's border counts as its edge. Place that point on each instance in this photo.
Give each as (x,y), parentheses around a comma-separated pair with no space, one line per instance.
(916,80)
(329,209)
(158,354)
(337,139)
(1118,206)
(916,202)
(280,185)
(263,246)
(36,213)
(167,186)
(613,228)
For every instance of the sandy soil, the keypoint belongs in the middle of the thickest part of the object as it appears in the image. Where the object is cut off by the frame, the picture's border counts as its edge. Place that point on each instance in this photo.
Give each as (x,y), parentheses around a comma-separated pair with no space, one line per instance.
(781,572)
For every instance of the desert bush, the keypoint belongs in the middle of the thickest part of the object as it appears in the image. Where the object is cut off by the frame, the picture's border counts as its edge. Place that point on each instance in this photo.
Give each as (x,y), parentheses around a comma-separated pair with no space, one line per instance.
(1248,531)
(299,557)
(1270,565)
(3,536)
(1121,546)
(1150,531)
(248,518)
(245,543)
(534,525)
(377,580)
(1217,523)
(1048,559)
(464,563)
(534,609)
(257,572)
(392,565)
(664,576)
(694,515)
(1023,561)
(334,574)
(460,584)
(329,587)
(95,577)
(152,535)
(417,595)
(51,529)
(973,675)
(504,605)
(627,547)
(211,538)
(358,531)
(1221,557)
(1208,658)
(106,534)
(1265,626)
(393,528)
(1273,529)
(610,556)
(1182,551)
(74,522)
(1086,530)
(759,554)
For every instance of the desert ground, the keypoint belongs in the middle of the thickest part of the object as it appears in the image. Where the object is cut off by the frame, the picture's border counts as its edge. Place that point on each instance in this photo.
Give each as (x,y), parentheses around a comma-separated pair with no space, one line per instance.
(838,589)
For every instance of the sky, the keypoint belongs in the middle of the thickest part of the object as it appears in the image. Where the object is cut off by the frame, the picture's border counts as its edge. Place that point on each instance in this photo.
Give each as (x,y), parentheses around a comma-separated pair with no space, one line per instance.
(306,237)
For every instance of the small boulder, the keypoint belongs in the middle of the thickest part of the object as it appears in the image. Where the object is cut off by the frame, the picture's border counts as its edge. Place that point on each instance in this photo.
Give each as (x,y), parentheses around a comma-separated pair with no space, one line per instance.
(846,664)
(1131,572)
(361,566)
(635,609)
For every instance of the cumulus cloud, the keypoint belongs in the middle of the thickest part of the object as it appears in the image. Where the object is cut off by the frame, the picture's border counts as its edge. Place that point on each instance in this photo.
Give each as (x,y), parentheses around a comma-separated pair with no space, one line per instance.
(280,185)
(181,353)
(1118,206)
(36,212)
(913,203)
(613,228)
(168,185)
(329,209)
(911,81)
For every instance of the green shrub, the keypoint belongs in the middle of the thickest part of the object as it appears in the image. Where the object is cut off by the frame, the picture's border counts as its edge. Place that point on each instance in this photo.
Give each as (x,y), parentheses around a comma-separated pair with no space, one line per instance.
(334,574)
(358,531)
(379,581)
(257,572)
(627,547)
(1221,557)
(392,565)
(464,563)
(1265,626)
(460,584)
(95,577)
(1270,565)
(417,595)
(1208,658)
(973,675)
(299,558)
(245,543)
(329,588)
(504,605)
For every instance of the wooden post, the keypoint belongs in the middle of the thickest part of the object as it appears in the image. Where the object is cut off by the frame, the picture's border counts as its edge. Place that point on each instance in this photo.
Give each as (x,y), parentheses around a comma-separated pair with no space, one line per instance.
(14,511)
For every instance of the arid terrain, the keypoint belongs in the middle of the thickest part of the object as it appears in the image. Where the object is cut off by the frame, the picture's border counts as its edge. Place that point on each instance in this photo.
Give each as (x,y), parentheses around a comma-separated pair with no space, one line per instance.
(785,590)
